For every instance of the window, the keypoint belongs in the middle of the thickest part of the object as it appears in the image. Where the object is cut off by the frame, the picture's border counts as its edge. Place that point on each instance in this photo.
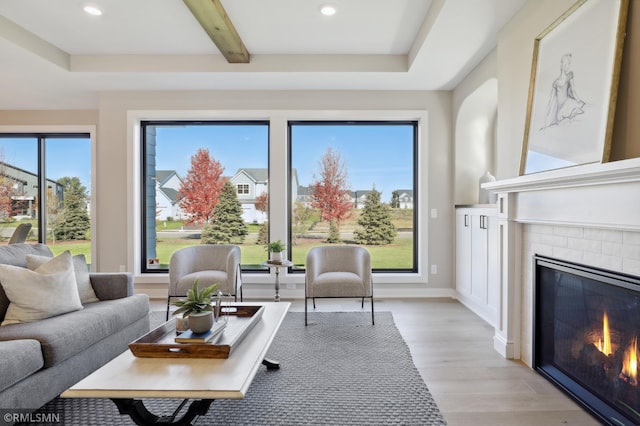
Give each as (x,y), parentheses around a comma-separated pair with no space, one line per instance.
(243,189)
(186,167)
(45,180)
(355,183)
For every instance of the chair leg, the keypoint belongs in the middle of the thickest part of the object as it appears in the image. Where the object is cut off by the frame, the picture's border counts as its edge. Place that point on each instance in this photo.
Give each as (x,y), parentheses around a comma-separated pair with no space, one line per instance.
(373,320)
(168,304)
(305,311)
(314,303)
(362,304)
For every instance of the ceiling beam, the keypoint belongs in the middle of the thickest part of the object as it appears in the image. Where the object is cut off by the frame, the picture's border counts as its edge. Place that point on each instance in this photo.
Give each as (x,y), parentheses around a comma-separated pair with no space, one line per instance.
(215,21)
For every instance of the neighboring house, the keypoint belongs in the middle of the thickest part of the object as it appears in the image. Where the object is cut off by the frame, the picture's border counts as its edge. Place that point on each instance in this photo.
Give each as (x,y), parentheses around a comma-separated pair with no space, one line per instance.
(359,197)
(168,195)
(24,190)
(250,183)
(304,196)
(405,198)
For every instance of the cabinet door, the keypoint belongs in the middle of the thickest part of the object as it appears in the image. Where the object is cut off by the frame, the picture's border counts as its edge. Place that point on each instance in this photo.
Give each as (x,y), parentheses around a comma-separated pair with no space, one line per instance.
(463,252)
(479,265)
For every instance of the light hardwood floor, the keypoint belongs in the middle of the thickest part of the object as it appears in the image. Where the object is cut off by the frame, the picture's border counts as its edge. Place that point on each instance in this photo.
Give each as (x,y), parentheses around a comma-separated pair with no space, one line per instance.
(472,384)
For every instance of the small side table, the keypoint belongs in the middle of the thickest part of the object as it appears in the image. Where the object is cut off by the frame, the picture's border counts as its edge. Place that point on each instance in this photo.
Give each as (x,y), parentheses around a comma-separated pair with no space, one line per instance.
(277,266)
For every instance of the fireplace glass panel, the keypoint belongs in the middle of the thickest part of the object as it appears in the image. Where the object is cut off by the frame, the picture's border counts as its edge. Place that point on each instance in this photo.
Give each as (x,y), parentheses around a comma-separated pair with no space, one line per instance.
(586,337)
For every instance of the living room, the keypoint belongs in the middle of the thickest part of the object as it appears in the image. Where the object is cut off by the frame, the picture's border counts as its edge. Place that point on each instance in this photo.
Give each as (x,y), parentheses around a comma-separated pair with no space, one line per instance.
(480,110)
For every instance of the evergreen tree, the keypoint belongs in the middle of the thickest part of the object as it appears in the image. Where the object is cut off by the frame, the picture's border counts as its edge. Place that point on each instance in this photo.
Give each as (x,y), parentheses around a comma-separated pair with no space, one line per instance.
(263,234)
(375,220)
(227,225)
(395,199)
(334,232)
(72,222)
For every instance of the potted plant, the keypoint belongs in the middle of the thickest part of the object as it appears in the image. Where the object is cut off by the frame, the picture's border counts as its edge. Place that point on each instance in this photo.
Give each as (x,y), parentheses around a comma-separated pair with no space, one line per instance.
(197,308)
(275,249)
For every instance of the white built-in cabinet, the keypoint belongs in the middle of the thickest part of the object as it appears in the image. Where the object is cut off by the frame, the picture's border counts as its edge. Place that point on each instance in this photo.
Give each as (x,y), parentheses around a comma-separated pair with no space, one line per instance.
(477,260)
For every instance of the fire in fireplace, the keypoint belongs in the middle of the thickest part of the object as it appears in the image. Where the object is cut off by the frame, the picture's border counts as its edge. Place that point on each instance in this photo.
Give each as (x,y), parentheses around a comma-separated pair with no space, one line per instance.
(587,322)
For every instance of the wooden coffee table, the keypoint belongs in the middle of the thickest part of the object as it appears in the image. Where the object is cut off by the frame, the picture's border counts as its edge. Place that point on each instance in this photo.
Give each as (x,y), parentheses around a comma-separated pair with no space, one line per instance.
(128,378)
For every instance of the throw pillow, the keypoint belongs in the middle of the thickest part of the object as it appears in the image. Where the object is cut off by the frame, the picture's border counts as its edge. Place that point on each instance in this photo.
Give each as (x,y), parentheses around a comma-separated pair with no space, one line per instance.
(48,291)
(81,271)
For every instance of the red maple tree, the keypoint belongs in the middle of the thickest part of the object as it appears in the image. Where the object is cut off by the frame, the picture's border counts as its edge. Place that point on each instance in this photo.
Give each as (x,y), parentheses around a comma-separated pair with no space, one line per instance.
(201,187)
(331,193)
(262,202)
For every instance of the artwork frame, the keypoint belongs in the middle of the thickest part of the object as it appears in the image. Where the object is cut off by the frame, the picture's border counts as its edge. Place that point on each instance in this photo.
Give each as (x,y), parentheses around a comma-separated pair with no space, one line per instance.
(573,87)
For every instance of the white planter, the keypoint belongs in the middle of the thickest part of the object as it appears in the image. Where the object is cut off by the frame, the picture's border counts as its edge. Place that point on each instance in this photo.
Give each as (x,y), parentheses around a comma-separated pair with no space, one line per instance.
(277,257)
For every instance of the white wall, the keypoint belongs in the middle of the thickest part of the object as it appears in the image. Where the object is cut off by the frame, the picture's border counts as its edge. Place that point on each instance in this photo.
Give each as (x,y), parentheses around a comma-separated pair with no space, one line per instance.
(475,110)
(117,158)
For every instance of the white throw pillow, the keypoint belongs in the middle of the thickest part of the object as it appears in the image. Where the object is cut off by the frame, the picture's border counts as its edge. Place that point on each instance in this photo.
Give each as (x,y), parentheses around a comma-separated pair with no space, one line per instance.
(81,271)
(48,291)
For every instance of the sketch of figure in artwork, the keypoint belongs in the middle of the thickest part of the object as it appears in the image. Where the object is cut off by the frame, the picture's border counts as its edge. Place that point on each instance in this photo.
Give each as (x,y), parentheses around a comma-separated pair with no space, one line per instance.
(564,103)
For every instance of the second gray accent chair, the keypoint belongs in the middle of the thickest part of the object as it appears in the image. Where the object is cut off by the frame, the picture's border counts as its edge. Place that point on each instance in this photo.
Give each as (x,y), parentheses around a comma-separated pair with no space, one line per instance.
(21,233)
(338,272)
(210,264)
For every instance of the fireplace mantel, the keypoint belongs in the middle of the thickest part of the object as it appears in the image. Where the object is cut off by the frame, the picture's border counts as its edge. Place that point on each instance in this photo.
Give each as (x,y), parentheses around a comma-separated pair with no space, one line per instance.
(594,196)
(589,174)
(597,195)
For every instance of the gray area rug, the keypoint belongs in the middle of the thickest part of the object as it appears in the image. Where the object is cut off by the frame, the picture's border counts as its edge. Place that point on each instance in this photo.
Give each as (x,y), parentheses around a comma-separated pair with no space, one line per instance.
(339,370)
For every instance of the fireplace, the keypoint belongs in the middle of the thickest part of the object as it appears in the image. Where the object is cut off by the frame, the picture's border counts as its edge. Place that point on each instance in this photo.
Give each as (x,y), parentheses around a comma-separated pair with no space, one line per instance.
(586,327)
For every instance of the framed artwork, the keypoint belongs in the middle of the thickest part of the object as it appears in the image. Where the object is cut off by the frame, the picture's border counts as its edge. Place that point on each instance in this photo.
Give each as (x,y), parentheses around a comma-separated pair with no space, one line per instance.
(573,87)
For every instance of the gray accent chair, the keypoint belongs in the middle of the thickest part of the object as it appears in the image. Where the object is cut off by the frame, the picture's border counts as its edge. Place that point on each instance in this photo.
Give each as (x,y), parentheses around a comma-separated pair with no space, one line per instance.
(210,264)
(338,272)
(20,234)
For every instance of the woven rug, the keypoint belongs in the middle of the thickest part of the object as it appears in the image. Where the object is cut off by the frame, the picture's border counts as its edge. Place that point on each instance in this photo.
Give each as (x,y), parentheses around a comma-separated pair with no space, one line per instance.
(339,370)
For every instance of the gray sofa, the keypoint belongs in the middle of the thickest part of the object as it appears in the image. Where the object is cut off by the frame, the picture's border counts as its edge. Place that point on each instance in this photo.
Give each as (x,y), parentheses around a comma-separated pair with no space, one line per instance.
(40,360)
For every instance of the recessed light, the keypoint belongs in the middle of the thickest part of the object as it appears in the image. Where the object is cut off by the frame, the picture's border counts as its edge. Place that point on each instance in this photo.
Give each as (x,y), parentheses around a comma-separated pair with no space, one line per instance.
(92,10)
(328,10)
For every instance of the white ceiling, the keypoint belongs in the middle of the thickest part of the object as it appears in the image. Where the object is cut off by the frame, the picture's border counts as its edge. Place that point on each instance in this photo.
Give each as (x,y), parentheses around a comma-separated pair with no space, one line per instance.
(54,56)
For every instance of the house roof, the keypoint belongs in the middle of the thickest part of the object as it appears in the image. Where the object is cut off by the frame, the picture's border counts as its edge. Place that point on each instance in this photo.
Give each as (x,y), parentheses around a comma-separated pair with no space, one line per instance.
(162,176)
(258,175)
(407,192)
(171,194)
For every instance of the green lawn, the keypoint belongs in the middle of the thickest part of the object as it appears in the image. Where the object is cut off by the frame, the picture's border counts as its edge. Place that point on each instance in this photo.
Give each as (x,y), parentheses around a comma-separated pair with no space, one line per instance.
(398,255)
(394,256)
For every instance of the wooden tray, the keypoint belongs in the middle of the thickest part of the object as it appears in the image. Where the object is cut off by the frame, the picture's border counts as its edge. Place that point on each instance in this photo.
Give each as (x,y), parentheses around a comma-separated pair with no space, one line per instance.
(160,342)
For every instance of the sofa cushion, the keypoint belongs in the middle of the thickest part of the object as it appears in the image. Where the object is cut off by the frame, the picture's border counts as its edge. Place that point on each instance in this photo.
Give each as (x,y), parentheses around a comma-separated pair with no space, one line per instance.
(16,254)
(48,291)
(20,359)
(66,335)
(80,269)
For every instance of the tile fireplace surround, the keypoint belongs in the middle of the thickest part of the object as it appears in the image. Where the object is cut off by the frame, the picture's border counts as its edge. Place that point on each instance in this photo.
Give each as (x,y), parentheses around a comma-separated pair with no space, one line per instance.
(585,214)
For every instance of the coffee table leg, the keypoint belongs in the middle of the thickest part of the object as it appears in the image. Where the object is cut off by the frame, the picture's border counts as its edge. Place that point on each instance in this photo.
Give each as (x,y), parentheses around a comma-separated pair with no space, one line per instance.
(141,416)
(271,364)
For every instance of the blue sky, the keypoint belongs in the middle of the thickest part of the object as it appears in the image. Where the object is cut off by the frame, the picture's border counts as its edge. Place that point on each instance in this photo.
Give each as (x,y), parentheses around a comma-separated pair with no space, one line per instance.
(64,157)
(373,154)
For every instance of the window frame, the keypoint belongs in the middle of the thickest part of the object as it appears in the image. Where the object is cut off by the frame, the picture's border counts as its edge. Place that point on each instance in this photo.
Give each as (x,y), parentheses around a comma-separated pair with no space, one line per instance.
(245,189)
(41,138)
(415,161)
(143,123)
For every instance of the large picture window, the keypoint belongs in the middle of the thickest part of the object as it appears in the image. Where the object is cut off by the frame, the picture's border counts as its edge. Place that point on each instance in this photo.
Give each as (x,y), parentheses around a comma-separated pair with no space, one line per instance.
(45,182)
(355,183)
(186,167)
